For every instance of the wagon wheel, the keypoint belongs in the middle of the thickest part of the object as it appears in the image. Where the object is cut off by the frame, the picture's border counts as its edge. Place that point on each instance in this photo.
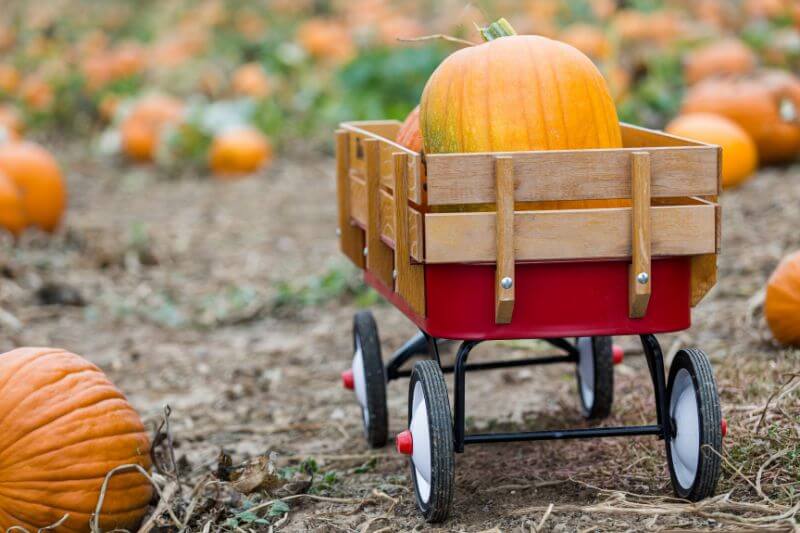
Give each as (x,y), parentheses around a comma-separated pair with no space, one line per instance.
(368,378)
(697,427)
(429,441)
(595,375)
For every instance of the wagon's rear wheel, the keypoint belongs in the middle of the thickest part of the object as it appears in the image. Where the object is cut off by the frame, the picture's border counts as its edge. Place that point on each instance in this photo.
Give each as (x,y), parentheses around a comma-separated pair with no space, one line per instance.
(694,448)
(368,378)
(595,375)
(429,441)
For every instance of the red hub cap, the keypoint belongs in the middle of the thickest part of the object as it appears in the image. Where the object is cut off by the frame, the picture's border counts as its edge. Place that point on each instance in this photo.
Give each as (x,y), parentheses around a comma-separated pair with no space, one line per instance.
(617,355)
(404,442)
(348,381)
(724,427)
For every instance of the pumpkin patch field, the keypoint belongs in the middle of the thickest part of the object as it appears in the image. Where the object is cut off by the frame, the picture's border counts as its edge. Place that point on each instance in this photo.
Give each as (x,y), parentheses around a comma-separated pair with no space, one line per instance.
(176,311)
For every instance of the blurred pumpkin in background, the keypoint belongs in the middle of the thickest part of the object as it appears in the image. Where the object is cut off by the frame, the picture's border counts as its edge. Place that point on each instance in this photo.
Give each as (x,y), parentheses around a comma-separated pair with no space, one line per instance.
(588,39)
(239,151)
(38,179)
(766,105)
(726,57)
(36,93)
(141,129)
(9,78)
(326,39)
(11,125)
(739,153)
(251,80)
(65,427)
(409,134)
(12,213)
(782,304)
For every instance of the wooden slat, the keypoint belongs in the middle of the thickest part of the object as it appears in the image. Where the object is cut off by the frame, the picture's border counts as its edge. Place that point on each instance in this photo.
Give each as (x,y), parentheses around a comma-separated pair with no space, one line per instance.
(571,175)
(504,237)
(638,137)
(410,280)
(380,257)
(568,234)
(639,273)
(704,276)
(384,132)
(358,202)
(351,237)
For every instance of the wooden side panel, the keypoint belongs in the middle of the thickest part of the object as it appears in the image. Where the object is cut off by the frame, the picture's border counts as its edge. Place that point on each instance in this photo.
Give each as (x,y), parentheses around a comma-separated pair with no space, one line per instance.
(410,281)
(704,276)
(380,257)
(351,237)
(639,273)
(504,239)
(571,175)
(568,234)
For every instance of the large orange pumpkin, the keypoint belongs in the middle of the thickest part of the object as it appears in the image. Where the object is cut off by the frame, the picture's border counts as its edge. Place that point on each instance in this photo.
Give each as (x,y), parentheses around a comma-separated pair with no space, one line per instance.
(239,151)
(766,105)
(782,305)
(12,213)
(725,57)
(409,134)
(517,92)
(141,130)
(64,427)
(38,178)
(739,154)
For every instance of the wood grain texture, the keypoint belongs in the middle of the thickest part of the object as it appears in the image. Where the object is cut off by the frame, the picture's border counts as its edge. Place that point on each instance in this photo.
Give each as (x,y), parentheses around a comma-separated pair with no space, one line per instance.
(410,280)
(568,234)
(638,137)
(358,196)
(504,239)
(380,257)
(704,276)
(639,293)
(351,237)
(571,175)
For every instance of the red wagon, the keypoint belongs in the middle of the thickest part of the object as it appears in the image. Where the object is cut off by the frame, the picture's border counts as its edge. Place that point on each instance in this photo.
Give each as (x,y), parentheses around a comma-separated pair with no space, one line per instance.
(552,245)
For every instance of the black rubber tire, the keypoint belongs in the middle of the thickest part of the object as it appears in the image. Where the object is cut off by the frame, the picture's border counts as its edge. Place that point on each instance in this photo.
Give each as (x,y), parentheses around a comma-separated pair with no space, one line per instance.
(698,366)
(434,389)
(376,428)
(602,349)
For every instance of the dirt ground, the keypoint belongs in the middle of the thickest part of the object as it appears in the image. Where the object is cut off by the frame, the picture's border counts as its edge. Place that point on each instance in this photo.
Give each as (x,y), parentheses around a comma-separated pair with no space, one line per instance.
(230,303)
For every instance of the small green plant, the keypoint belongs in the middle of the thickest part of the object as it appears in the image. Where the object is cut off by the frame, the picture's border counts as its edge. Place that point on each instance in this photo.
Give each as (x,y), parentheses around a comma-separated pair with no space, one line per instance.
(336,283)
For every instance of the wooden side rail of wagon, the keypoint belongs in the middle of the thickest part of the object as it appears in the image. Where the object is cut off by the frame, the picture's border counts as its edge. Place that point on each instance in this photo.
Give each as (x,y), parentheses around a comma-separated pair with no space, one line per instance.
(399,212)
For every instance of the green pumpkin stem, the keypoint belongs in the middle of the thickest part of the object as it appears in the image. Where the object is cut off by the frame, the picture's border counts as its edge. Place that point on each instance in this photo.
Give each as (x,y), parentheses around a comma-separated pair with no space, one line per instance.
(495,30)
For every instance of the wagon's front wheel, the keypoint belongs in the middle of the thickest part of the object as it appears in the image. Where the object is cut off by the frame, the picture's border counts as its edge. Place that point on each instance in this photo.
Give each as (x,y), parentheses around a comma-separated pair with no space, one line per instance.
(595,376)
(429,441)
(368,378)
(695,445)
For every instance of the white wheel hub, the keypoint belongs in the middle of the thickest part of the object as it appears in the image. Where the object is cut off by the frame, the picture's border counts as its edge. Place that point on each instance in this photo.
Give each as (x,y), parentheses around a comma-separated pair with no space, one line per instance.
(421,454)
(685,445)
(360,380)
(586,370)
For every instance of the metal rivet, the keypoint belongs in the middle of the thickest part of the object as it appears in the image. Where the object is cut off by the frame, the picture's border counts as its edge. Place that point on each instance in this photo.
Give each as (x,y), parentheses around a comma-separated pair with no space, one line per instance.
(365,251)
(506,283)
(643,278)
(394,274)
(338,232)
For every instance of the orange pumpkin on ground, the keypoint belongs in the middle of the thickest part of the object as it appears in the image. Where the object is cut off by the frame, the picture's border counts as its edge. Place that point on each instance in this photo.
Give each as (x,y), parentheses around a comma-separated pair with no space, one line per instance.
(38,178)
(141,130)
(588,39)
(326,39)
(239,151)
(251,80)
(766,105)
(12,213)
(409,134)
(512,101)
(782,304)
(739,153)
(65,427)
(725,57)
(10,123)
(9,78)
(36,93)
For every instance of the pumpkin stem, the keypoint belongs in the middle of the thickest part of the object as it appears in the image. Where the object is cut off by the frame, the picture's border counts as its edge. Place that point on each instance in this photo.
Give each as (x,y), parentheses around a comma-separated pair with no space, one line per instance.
(495,30)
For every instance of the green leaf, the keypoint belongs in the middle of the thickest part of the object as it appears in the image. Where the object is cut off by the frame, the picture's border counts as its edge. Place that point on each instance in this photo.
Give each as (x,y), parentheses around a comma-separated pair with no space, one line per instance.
(278,508)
